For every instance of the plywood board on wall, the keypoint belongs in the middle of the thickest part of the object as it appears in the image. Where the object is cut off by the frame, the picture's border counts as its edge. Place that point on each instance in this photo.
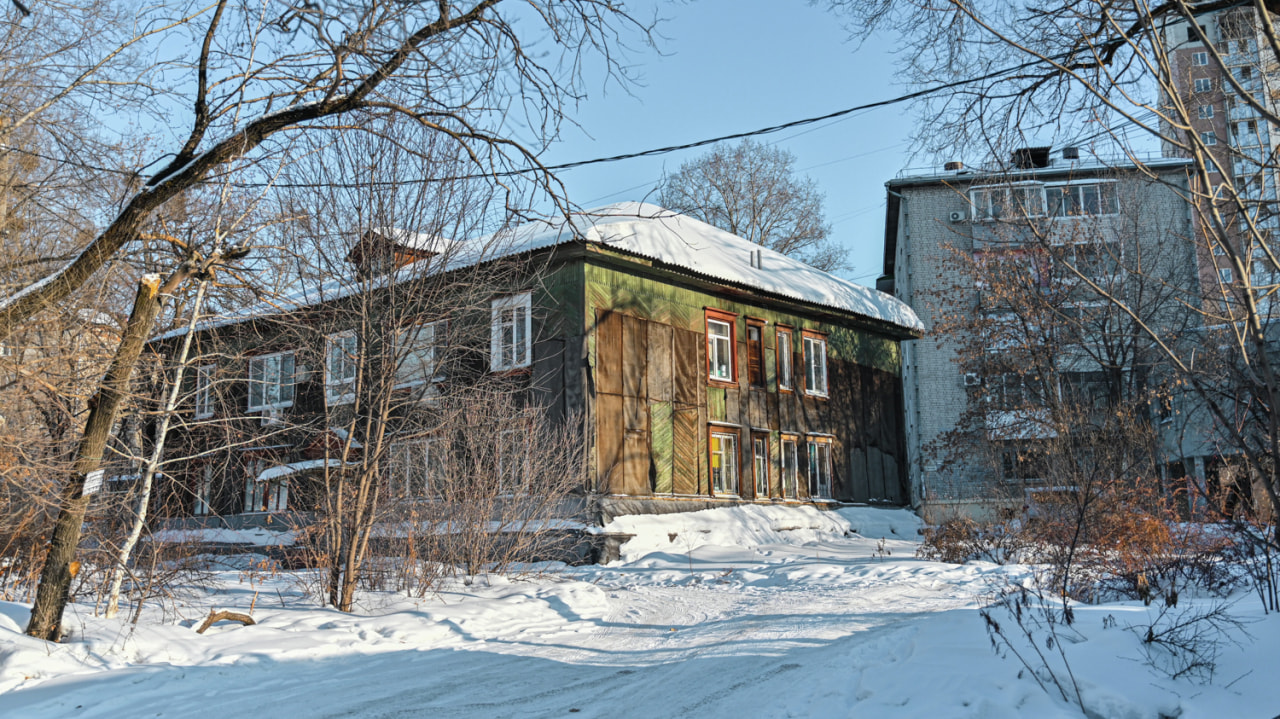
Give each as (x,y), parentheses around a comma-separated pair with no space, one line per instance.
(608,352)
(635,345)
(690,367)
(661,371)
(661,445)
(610,433)
(684,450)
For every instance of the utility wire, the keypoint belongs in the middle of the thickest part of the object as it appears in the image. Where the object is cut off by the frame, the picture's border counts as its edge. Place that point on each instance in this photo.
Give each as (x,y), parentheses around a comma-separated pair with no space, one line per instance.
(601,160)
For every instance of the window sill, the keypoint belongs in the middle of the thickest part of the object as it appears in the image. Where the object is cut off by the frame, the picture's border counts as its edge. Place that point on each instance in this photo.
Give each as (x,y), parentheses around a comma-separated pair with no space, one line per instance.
(207,415)
(786,390)
(817,395)
(267,407)
(512,371)
(712,382)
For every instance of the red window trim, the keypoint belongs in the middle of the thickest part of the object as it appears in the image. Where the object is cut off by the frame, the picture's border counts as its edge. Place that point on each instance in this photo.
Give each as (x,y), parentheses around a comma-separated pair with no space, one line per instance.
(736,433)
(731,318)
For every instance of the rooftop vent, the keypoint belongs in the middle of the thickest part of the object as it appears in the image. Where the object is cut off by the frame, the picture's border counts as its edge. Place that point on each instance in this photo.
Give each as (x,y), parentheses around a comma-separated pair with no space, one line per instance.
(1029,158)
(953,166)
(1071,153)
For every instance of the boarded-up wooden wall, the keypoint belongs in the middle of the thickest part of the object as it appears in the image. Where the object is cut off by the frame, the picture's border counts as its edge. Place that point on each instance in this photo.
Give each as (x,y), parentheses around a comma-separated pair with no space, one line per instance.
(654,403)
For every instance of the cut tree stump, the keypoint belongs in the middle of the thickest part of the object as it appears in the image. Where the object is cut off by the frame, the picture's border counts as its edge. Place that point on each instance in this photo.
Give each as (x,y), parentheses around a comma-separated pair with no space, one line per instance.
(215,617)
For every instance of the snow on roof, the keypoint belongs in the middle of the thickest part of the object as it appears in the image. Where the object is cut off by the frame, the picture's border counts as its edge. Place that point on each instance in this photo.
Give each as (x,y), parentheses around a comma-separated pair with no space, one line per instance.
(342,436)
(641,229)
(285,470)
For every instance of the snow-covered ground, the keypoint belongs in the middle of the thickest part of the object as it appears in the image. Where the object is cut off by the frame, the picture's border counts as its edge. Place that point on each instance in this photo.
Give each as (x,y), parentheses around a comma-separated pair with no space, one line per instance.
(746,612)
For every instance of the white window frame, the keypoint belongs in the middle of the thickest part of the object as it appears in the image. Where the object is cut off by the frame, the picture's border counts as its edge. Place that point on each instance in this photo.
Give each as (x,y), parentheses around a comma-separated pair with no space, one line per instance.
(790,463)
(417,453)
(284,389)
(1209,138)
(1225,276)
(341,370)
(204,390)
(815,370)
(511,333)
(725,481)
(1106,194)
(421,352)
(719,343)
(1202,84)
(786,376)
(1206,112)
(819,471)
(992,203)
(1200,58)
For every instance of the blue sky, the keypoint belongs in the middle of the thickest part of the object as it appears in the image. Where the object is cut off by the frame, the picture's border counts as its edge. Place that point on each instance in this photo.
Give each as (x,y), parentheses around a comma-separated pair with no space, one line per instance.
(731,66)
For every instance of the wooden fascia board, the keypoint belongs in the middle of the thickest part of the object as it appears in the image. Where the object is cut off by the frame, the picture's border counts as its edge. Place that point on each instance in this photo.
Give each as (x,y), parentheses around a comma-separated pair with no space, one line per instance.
(656,270)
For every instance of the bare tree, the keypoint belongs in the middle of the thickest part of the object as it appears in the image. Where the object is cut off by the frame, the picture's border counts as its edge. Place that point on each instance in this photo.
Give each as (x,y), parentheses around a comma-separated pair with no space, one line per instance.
(258,83)
(402,422)
(751,190)
(453,68)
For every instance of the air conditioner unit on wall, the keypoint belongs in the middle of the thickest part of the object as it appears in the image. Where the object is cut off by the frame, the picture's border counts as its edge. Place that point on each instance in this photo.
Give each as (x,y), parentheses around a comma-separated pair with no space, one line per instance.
(972,379)
(957,216)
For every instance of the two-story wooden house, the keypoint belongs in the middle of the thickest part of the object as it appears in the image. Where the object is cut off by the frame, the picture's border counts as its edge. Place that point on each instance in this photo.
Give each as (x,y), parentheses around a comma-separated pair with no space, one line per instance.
(706,369)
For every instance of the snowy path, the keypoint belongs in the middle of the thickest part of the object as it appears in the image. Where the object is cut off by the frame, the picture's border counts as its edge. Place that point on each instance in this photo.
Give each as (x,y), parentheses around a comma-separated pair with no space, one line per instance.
(774,620)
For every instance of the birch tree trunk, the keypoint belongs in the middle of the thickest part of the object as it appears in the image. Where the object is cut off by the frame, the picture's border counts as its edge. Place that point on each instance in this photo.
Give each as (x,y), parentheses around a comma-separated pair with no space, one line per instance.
(153,462)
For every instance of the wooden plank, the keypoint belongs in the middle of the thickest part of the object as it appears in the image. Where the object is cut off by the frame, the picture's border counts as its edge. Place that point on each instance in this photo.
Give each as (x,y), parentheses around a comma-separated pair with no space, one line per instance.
(788,415)
(716,404)
(635,455)
(574,383)
(892,487)
(687,356)
(635,342)
(858,491)
(684,447)
(875,473)
(704,476)
(733,405)
(548,378)
(661,439)
(636,464)
(608,352)
(757,410)
(610,433)
(661,371)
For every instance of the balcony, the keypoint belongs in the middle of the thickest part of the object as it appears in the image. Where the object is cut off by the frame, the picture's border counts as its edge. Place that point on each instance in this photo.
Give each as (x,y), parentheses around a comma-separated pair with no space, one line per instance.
(1242,112)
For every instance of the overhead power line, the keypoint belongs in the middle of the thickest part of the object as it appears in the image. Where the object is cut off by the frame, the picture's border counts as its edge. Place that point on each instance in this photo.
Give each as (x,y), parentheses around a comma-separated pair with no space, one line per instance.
(934,89)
